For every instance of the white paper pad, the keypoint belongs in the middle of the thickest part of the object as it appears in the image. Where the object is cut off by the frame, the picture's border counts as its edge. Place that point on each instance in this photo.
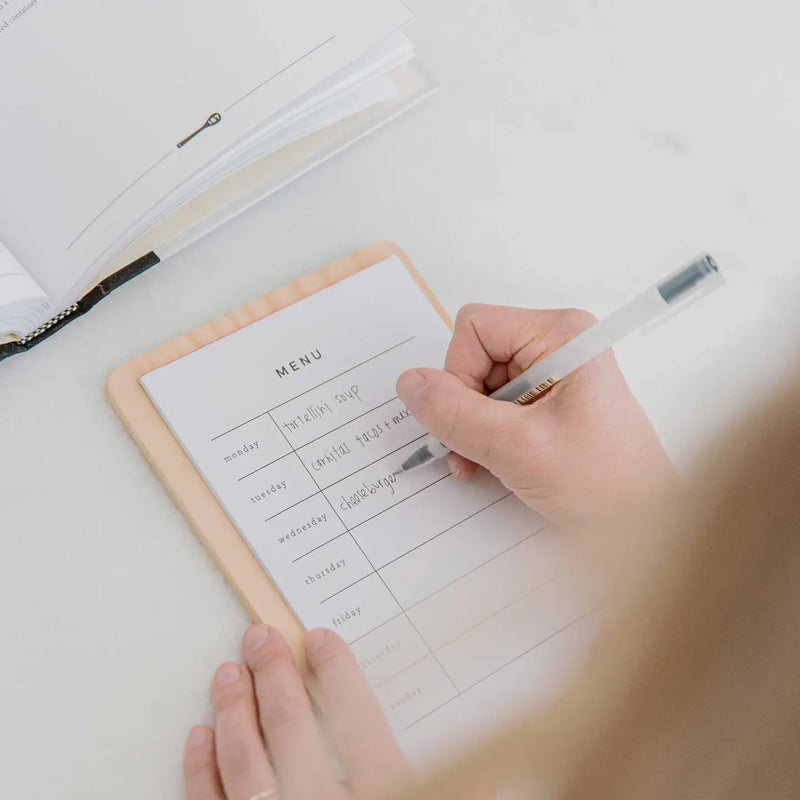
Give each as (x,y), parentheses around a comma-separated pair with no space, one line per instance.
(445,591)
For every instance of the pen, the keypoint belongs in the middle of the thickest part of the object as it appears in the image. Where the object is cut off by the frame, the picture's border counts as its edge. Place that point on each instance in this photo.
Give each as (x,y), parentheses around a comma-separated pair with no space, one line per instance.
(673,293)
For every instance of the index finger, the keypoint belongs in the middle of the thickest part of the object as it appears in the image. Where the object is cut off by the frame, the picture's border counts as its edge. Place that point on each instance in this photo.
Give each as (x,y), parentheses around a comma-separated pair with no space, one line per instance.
(359,730)
(293,738)
(491,345)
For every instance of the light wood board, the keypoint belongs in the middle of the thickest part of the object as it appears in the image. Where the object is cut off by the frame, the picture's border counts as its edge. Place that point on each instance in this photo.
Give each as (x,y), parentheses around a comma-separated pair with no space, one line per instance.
(187,488)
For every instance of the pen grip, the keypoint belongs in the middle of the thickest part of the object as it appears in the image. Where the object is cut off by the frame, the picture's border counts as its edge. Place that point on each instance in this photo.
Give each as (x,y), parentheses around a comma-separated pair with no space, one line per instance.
(583,348)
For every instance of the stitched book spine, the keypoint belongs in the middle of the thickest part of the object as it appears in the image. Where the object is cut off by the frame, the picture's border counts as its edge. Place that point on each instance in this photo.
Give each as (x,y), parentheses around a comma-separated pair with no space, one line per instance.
(89,300)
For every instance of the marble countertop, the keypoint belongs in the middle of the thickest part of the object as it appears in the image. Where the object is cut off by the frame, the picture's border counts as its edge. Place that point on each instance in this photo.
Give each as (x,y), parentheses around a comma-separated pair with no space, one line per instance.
(576,152)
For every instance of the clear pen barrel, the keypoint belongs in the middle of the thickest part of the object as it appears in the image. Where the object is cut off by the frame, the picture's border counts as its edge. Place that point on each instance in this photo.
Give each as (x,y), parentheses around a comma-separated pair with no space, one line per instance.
(683,286)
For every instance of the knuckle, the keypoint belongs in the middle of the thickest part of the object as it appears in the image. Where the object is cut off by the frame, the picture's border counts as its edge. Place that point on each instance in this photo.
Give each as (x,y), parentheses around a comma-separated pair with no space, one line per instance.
(468,312)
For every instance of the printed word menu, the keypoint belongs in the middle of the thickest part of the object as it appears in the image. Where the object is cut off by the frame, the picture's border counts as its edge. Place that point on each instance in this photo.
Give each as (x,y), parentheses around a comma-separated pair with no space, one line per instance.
(444,590)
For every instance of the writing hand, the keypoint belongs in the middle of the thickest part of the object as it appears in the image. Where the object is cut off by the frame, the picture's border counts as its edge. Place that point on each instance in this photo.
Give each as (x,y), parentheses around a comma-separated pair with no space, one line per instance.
(580,453)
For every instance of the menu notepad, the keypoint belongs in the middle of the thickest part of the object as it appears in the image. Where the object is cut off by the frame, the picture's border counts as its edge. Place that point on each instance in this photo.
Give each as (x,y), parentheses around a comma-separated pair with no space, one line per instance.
(444,590)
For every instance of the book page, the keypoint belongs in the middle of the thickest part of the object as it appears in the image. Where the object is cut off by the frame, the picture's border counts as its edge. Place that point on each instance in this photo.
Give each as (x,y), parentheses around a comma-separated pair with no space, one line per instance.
(22,300)
(447,592)
(107,108)
(250,185)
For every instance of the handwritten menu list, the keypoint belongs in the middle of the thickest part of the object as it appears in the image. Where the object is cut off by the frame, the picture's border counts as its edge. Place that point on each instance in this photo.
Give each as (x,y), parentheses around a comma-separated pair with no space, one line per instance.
(436,585)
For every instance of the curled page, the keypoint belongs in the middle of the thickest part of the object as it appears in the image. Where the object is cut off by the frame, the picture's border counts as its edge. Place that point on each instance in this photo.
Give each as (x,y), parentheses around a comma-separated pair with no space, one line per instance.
(23,303)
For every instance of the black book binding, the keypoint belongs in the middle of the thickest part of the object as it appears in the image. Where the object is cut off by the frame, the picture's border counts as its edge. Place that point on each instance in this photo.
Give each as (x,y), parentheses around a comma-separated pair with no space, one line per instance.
(78,309)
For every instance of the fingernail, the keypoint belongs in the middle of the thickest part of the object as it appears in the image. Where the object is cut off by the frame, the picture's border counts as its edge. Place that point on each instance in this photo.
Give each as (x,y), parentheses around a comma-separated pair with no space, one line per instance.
(455,467)
(198,736)
(227,674)
(315,640)
(411,388)
(256,637)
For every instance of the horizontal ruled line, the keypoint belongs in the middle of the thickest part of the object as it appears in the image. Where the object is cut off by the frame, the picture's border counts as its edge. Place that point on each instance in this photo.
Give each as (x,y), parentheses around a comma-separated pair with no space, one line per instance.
(350,369)
(372,463)
(389,508)
(377,627)
(333,430)
(289,508)
(501,667)
(269,464)
(240,425)
(313,388)
(354,583)
(497,612)
(320,546)
(401,671)
(474,569)
(446,530)
(533,647)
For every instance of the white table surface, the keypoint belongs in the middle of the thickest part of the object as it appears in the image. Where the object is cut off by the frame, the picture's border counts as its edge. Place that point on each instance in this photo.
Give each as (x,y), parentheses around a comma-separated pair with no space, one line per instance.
(577,151)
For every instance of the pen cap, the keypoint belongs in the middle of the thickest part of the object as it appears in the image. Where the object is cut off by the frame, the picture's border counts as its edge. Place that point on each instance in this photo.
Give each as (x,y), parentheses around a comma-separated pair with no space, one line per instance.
(689,283)
(696,279)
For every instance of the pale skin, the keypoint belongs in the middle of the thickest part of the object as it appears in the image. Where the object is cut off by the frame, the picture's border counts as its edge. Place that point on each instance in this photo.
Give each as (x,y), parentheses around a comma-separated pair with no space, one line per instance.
(582,453)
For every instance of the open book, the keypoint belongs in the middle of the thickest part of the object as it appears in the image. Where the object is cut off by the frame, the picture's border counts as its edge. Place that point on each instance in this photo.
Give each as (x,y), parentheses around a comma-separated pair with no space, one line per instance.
(130,130)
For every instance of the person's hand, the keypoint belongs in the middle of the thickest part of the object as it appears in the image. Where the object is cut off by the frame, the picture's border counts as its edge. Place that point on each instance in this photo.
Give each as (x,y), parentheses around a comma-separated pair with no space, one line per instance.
(579,454)
(266,742)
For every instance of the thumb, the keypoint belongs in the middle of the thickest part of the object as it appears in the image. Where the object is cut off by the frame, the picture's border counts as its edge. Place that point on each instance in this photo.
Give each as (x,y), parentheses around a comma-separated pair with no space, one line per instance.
(466,421)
